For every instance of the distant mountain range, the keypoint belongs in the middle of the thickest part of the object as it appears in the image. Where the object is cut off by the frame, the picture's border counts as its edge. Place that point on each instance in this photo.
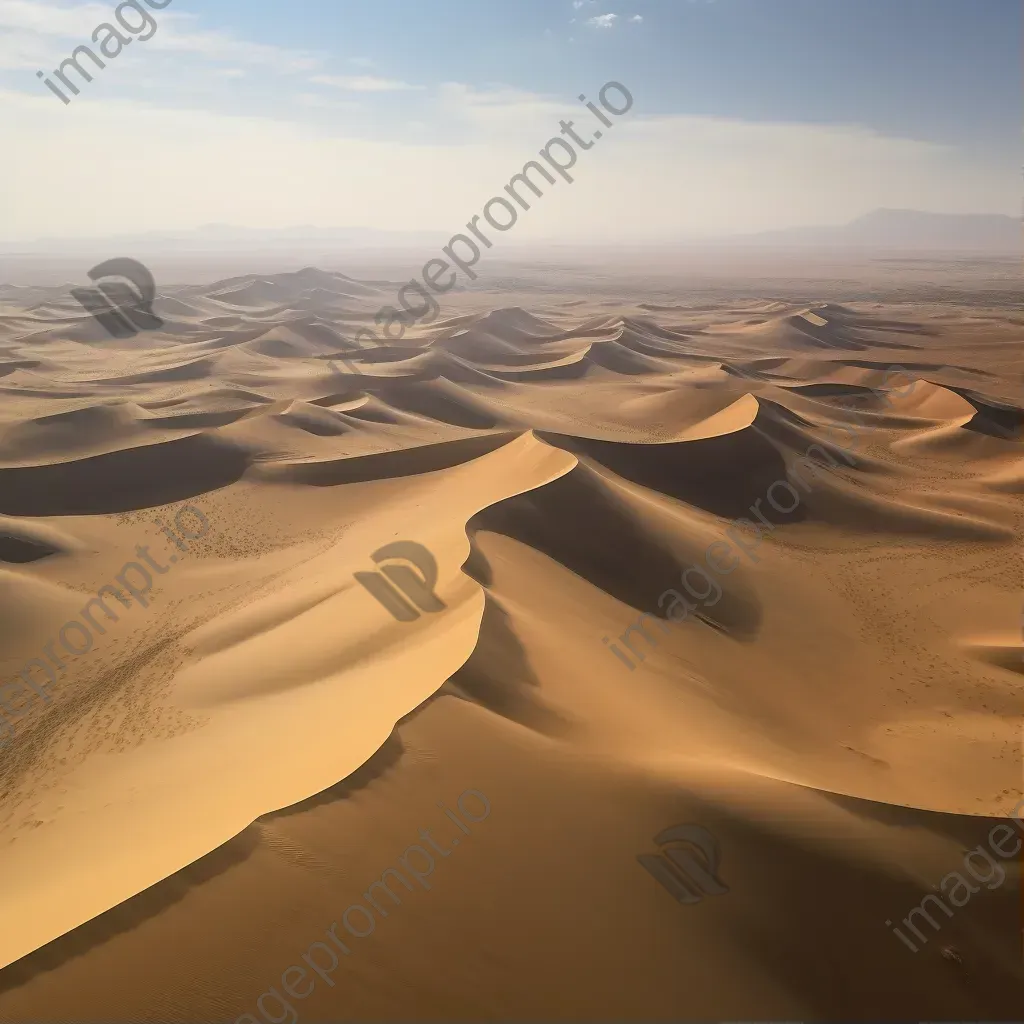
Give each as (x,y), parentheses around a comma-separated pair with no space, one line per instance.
(904,229)
(229,238)
(883,230)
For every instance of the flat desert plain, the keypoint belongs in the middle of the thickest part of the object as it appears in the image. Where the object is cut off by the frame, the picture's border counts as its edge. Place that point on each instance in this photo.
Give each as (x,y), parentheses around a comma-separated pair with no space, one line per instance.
(705,560)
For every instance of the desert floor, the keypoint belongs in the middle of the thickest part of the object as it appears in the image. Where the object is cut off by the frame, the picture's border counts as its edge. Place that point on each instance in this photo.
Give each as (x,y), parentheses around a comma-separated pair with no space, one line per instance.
(208,787)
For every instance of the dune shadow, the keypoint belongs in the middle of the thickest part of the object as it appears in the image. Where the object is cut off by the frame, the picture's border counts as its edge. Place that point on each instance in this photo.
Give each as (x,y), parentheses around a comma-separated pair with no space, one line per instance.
(832,389)
(151,902)
(895,327)
(201,420)
(132,913)
(432,401)
(562,371)
(123,481)
(615,552)
(387,755)
(835,334)
(427,458)
(498,676)
(197,369)
(723,475)
(19,551)
(992,418)
(967,829)
(860,970)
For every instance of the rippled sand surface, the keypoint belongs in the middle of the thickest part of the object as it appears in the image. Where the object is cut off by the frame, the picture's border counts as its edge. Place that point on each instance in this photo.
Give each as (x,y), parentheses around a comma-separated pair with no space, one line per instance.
(239,754)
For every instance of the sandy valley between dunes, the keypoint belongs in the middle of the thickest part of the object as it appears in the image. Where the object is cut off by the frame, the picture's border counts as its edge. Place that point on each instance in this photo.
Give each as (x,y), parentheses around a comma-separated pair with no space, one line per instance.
(207,787)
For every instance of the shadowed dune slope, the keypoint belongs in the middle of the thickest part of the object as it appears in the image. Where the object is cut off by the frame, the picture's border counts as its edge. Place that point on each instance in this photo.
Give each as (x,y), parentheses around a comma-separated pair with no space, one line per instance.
(688,561)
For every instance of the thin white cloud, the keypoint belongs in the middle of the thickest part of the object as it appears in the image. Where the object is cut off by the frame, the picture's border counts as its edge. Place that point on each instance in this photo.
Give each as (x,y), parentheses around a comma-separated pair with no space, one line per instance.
(31,32)
(222,46)
(37,33)
(637,17)
(43,18)
(499,116)
(364,83)
(603,20)
(318,102)
(186,168)
(24,51)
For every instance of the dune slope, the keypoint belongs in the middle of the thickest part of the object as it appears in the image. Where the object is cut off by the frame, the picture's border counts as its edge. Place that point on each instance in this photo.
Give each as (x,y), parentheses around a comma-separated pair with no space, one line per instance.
(734,572)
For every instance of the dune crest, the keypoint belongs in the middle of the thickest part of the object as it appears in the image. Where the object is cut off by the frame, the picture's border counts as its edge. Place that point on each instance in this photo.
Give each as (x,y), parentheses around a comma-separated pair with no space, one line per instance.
(751,564)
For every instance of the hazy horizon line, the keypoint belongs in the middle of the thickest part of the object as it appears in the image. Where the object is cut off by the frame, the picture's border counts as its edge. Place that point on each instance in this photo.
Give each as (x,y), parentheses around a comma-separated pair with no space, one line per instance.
(365,236)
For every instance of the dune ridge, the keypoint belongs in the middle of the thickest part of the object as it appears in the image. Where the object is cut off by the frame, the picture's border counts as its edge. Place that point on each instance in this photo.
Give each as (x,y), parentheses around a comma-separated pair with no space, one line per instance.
(844,704)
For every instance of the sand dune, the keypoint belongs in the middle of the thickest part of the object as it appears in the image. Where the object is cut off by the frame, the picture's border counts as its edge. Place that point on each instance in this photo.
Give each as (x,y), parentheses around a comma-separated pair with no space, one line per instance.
(233,760)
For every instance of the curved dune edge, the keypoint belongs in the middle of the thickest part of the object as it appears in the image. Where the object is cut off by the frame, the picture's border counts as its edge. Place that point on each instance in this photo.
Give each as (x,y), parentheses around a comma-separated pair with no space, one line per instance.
(24,540)
(1003,649)
(742,683)
(87,432)
(865,655)
(180,798)
(1008,479)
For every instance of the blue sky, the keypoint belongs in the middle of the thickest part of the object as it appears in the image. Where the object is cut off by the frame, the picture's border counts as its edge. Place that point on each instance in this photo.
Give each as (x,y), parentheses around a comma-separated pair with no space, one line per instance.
(748,114)
(944,70)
